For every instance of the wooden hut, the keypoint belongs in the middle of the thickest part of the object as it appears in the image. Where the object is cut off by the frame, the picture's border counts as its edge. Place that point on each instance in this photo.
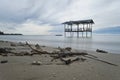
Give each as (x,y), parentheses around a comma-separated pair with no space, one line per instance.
(80,26)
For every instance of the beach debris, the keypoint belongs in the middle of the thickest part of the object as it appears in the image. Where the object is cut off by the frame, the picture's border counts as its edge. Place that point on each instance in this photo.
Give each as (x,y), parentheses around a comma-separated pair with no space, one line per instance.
(11,54)
(33,52)
(4,54)
(37,46)
(83,59)
(21,44)
(66,52)
(54,74)
(74,78)
(3,50)
(63,55)
(13,44)
(101,61)
(26,53)
(69,61)
(36,63)
(4,61)
(101,51)
(17,44)
(23,53)
(40,51)
(43,46)
(68,48)
(64,49)
(18,54)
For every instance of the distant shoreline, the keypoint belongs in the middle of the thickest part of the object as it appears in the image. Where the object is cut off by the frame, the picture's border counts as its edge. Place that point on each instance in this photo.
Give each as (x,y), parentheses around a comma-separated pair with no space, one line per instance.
(11,34)
(2,33)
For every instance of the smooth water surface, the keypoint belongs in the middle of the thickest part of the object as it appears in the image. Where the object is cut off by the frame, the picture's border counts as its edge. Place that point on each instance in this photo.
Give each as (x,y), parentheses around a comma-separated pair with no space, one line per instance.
(110,43)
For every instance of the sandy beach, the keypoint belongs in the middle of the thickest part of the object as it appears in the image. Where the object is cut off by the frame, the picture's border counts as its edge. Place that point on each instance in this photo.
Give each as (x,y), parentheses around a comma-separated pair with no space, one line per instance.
(18,66)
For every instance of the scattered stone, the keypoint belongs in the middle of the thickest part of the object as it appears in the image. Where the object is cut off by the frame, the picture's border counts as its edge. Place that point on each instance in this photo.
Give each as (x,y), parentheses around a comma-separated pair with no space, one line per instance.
(74,78)
(18,54)
(23,53)
(54,74)
(43,46)
(4,61)
(11,54)
(4,54)
(3,50)
(101,51)
(55,52)
(13,44)
(37,46)
(21,44)
(36,63)
(76,59)
(68,48)
(82,59)
(67,62)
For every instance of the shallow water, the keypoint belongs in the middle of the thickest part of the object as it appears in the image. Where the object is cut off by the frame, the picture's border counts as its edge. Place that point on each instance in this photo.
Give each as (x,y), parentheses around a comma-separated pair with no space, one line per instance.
(110,43)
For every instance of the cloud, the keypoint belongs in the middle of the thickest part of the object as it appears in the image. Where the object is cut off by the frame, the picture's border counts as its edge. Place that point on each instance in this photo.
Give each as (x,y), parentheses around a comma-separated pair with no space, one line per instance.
(45,16)
(31,28)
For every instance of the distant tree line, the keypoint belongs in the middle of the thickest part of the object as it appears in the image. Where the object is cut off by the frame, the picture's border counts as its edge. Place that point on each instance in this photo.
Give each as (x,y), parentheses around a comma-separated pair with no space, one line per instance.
(2,33)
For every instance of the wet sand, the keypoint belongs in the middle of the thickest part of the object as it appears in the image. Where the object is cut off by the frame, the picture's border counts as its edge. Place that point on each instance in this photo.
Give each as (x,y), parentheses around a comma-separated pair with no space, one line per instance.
(20,68)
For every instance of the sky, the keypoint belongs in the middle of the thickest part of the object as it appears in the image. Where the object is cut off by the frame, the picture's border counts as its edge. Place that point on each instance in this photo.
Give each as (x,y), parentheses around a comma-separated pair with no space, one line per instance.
(44,17)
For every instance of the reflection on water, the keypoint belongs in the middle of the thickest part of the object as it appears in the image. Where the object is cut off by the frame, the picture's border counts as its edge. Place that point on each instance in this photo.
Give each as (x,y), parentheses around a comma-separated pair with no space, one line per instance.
(110,43)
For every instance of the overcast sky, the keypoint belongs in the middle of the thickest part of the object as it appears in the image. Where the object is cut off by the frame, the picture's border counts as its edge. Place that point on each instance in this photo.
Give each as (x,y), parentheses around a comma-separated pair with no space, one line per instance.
(45,16)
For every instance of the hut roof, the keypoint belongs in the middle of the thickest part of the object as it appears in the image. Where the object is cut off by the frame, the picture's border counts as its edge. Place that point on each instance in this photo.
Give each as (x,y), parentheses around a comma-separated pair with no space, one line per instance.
(79,22)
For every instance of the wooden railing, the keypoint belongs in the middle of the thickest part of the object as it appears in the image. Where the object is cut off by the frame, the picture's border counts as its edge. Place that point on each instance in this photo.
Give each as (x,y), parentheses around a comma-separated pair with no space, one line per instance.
(78,30)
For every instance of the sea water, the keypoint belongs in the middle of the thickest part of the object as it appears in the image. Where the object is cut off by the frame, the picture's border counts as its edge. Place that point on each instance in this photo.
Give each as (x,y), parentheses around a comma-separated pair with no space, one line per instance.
(110,43)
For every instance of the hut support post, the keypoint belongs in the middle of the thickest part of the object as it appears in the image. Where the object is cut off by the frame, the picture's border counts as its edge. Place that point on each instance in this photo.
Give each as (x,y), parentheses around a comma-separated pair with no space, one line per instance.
(83,29)
(77,30)
(65,30)
(86,30)
(91,29)
(71,30)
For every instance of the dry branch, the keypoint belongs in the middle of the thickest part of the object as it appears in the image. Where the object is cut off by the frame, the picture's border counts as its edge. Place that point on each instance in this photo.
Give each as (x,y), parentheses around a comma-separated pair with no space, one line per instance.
(63,53)
(40,52)
(101,61)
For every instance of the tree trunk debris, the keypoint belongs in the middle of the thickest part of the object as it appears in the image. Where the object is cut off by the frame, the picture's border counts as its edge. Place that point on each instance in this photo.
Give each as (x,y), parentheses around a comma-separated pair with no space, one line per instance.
(101,51)
(101,61)
(66,52)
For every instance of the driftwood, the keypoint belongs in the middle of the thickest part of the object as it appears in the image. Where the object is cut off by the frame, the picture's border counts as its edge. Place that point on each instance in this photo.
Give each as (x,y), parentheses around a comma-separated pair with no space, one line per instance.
(68,49)
(63,54)
(69,61)
(101,61)
(37,46)
(101,51)
(4,54)
(40,52)
(4,50)
(22,53)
